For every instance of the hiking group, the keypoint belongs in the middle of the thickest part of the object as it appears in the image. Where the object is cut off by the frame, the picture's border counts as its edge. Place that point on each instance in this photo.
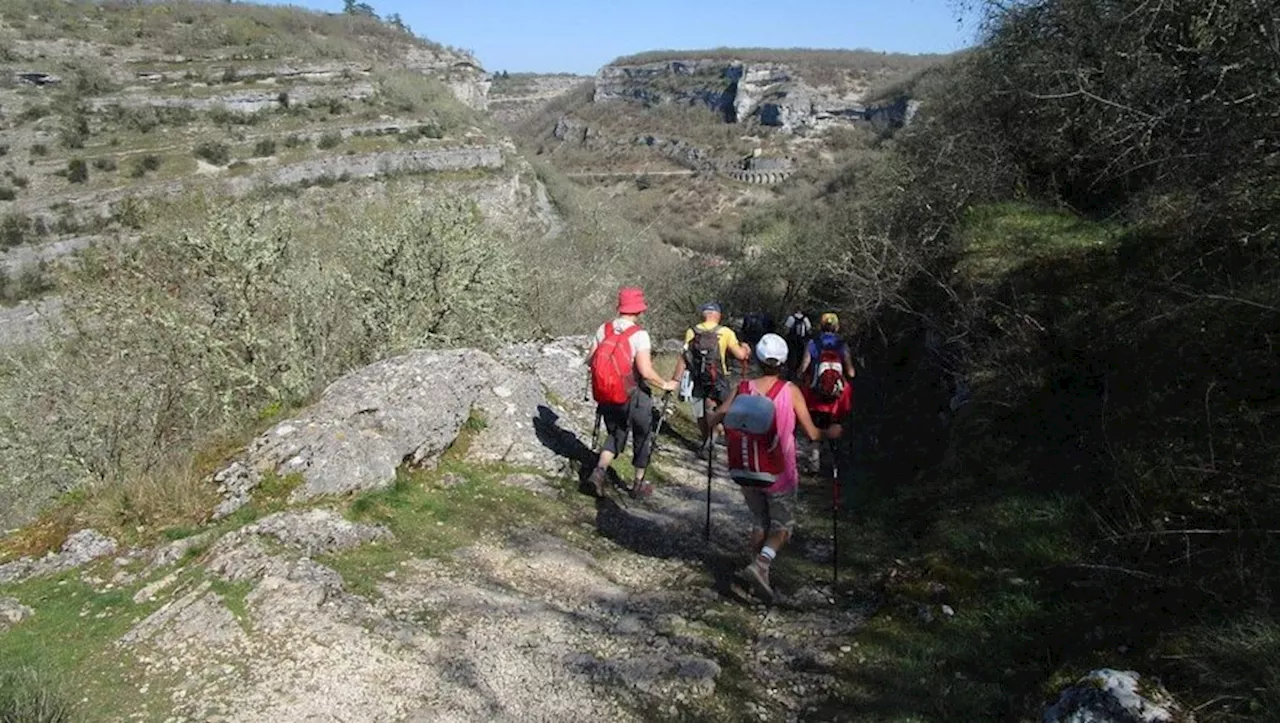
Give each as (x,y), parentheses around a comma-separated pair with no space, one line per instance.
(760,417)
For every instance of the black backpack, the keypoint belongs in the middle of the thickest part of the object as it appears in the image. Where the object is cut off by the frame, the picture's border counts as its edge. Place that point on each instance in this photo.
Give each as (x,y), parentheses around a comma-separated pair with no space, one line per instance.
(704,363)
(798,333)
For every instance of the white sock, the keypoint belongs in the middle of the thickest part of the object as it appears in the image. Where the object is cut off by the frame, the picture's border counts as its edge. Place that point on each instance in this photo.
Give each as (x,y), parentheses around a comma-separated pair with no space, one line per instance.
(767,554)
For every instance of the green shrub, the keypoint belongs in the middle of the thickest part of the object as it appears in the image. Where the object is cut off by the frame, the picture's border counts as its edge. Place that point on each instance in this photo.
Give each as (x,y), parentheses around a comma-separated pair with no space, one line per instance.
(265,147)
(86,79)
(39,149)
(105,163)
(17,229)
(296,141)
(77,170)
(329,140)
(247,311)
(130,212)
(26,284)
(4,149)
(29,697)
(20,181)
(34,112)
(142,165)
(7,193)
(215,152)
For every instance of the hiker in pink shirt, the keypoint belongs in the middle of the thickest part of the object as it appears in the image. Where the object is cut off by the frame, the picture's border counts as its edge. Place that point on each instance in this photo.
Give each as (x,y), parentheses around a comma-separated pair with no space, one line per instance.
(773,507)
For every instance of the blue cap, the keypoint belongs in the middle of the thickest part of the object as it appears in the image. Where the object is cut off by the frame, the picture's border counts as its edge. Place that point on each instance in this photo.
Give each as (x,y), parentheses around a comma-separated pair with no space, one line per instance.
(710,306)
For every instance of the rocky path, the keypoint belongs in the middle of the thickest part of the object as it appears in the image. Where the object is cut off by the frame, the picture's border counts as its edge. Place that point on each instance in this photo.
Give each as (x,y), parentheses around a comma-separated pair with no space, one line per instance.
(592,609)
(628,618)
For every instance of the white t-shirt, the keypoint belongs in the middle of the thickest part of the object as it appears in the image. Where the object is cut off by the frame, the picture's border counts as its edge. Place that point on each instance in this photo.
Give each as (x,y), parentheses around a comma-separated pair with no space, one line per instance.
(640,341)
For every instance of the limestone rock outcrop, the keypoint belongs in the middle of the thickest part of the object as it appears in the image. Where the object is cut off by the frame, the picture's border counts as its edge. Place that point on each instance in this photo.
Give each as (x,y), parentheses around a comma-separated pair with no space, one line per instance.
(1112,696)
(79,549)
(773,94)
(410,409)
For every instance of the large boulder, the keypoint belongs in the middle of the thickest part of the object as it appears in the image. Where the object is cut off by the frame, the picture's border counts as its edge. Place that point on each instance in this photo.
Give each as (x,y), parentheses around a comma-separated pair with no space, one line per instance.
(79,549)
(408,410)
(1112,696)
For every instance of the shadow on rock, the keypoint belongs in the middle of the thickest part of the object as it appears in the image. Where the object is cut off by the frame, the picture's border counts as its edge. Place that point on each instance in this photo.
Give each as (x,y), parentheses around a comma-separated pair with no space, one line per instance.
(563,442)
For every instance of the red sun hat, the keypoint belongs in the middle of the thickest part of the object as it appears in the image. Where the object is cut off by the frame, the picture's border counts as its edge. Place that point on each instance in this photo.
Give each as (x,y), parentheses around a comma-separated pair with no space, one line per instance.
(631,300)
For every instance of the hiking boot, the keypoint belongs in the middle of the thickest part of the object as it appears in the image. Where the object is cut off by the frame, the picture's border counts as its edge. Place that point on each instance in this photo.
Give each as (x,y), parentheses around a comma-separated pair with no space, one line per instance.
(596,481)
(758,576)
(642,490)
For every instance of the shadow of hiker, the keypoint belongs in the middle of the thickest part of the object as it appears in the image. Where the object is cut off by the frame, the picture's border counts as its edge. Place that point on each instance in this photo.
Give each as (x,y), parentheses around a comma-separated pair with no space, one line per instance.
(633,525)
(563,442)
(649,533)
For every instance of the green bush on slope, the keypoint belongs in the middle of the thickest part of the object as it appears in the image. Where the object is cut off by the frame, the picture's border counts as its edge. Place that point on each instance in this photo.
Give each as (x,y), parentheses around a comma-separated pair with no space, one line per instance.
(187,335)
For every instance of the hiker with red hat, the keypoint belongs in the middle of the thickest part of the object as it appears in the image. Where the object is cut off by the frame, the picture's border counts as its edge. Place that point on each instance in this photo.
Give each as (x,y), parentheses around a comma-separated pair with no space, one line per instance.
(622,380)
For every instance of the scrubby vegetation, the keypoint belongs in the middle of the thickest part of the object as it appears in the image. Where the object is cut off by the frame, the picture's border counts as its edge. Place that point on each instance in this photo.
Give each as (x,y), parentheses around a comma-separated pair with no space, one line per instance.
(228,319)
(186,28)
(1064,274)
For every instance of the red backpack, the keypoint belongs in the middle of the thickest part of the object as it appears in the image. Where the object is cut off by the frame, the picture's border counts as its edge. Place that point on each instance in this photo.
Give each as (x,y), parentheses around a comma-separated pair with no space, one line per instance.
(828,371)
(612,378)
(751,427)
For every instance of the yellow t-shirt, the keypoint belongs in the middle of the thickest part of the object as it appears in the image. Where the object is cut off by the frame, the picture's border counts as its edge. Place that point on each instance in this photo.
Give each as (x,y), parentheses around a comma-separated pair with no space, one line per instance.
(727,339)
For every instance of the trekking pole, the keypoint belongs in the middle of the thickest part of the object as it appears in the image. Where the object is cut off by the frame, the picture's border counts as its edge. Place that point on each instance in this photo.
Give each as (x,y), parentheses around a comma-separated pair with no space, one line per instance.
(595,433)
(835,514)
(711,456)
(657,428)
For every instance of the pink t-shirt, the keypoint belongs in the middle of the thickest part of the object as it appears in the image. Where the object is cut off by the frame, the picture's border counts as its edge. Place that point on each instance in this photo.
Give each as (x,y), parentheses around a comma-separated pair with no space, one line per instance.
(784,414)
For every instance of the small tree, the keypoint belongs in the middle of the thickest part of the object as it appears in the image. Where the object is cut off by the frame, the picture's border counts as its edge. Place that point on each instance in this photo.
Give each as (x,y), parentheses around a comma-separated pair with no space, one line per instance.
(395,21)
(351,7)
(77,170)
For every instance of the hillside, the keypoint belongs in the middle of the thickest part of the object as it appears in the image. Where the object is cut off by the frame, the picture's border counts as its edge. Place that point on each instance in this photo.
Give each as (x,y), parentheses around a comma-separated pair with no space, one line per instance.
(515,97)
(695,142)
(353,163)
(293,425)
(114,113)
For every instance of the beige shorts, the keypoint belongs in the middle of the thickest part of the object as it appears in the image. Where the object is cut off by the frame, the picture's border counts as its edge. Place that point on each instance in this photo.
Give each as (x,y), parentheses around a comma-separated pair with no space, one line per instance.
(771,513)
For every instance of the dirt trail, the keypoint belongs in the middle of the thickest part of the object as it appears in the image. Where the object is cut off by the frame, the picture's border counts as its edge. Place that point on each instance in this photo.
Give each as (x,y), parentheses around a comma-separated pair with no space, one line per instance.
(629,618)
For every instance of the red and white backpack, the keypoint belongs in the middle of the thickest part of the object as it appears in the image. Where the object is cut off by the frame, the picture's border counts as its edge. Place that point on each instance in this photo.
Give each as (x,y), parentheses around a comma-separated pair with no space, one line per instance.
(751,425)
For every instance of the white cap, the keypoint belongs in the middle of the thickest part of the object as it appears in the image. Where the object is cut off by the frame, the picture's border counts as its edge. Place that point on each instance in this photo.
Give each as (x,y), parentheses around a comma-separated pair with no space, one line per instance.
(772,349)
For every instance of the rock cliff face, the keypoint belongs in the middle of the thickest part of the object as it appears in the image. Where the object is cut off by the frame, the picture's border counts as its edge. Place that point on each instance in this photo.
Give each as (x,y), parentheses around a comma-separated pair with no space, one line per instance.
(773,94)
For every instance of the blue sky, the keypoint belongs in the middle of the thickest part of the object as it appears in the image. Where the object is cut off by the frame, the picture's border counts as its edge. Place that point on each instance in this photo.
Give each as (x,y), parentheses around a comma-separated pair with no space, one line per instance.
(579,36)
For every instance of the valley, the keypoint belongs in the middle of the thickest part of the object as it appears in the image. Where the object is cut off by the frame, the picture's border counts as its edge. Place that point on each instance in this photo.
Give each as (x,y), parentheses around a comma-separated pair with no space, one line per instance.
(294,307)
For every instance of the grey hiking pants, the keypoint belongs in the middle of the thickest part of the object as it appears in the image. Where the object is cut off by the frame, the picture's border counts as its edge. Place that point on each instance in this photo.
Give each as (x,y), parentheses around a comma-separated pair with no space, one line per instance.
(635,417)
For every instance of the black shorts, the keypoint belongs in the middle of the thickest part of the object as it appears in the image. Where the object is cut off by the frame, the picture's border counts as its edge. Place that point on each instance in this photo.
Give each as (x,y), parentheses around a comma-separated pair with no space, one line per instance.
(717,392)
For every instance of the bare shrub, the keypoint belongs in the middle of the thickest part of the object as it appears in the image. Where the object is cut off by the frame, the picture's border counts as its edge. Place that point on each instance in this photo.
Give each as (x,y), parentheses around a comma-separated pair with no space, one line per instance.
(187,336)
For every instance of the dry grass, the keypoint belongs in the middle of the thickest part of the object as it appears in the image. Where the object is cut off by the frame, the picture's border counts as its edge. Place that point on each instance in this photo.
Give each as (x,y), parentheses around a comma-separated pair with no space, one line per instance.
(138,510)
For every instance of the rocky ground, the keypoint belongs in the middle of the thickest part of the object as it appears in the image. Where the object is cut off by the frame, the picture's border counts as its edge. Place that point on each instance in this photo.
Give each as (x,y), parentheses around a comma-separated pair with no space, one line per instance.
(415,546)
(611,609)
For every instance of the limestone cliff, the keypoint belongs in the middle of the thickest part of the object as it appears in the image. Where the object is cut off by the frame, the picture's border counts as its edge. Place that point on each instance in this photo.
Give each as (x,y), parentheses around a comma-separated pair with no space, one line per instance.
(772,94)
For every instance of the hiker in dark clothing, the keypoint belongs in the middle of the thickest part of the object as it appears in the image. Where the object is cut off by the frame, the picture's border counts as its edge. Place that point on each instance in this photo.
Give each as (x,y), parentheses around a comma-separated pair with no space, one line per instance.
(797,329)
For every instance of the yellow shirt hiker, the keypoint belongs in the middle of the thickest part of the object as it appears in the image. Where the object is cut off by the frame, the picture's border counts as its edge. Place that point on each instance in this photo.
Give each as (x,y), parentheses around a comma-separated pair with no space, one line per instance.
(728,340)
(707,358)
